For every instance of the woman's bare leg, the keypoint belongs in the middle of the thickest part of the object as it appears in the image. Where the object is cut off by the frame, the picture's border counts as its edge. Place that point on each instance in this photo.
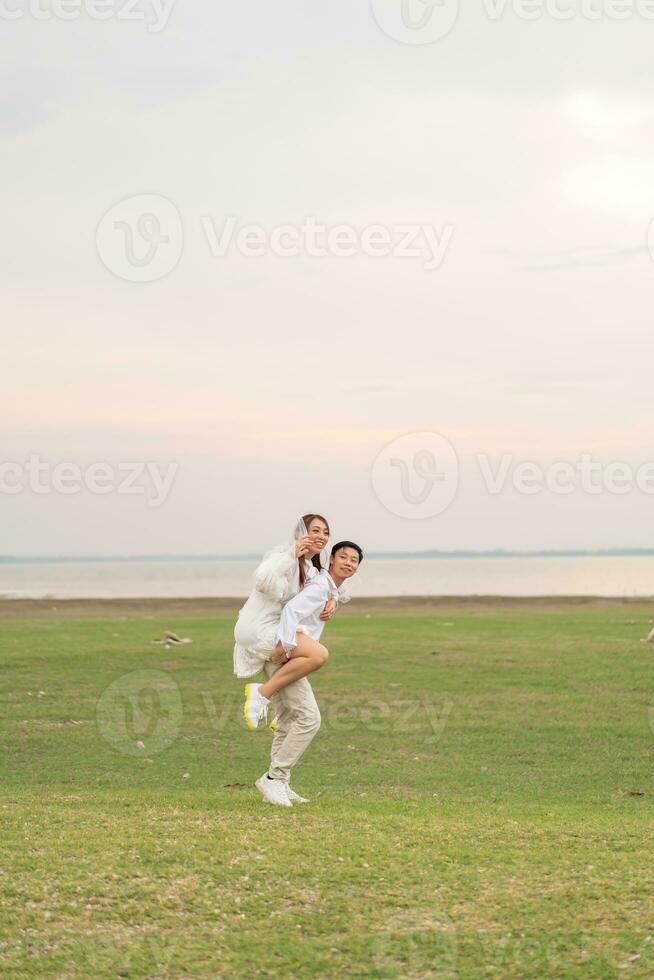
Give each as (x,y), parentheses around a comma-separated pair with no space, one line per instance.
(307,656)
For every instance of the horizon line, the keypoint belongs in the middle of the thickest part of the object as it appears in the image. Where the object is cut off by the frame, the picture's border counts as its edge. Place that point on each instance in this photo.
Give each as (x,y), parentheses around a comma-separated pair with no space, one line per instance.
(431,553)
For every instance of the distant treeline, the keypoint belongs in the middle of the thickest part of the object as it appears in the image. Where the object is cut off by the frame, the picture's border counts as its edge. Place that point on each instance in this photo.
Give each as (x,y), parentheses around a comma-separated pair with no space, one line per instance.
(498,553)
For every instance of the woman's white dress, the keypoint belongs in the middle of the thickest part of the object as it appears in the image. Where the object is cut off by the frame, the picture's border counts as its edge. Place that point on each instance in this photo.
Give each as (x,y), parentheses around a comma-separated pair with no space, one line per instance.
(276,580)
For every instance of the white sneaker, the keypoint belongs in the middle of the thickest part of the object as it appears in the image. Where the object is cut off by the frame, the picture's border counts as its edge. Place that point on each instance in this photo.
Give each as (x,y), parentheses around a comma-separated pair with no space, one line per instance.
(256,706)
(293,796)
(273,790)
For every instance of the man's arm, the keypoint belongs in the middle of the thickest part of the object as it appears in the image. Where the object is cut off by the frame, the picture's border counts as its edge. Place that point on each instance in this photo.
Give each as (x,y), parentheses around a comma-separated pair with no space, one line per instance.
(312,598)
(330,608)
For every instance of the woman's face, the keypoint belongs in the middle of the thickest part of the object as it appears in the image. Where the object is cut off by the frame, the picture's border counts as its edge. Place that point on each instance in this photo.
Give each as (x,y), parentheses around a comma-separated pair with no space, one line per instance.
(318,535)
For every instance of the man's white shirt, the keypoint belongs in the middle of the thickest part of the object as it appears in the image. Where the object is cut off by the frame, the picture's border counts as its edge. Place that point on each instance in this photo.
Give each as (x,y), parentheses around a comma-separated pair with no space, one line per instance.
(304,610)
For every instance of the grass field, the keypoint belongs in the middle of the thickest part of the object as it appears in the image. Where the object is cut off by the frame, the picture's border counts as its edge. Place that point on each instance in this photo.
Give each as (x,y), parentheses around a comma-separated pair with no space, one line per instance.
(481,797)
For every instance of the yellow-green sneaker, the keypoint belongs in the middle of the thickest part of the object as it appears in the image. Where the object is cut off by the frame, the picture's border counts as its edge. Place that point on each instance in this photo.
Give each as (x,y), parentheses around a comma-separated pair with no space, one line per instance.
(255,707)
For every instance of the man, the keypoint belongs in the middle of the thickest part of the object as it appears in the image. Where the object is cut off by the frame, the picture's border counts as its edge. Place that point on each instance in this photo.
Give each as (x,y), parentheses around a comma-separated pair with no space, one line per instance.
(298,715)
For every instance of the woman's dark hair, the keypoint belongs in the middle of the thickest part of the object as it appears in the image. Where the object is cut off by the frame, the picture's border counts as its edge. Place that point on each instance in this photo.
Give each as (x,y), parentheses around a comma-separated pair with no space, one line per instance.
(315,561)
(348,544)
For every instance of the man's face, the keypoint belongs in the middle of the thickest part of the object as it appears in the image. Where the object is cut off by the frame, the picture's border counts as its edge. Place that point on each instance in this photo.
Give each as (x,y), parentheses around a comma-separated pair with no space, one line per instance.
(344,563)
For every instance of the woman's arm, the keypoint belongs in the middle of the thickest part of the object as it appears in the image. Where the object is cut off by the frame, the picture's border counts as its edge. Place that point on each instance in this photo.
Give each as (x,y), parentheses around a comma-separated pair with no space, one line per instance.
(275,574)
(278,574)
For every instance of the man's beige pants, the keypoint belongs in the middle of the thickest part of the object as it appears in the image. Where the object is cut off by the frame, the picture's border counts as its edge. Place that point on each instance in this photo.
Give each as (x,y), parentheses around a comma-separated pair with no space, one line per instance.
(298,720)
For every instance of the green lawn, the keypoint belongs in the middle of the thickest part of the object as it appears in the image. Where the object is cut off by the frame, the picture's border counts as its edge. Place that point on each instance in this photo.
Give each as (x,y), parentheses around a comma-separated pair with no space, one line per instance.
(481,799)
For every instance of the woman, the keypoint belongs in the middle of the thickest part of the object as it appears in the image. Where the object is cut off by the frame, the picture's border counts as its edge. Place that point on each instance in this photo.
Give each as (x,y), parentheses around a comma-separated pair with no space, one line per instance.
(279,577)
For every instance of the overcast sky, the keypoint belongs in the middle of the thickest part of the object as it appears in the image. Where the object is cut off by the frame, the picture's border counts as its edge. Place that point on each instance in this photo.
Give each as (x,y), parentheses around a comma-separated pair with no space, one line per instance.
(273,383)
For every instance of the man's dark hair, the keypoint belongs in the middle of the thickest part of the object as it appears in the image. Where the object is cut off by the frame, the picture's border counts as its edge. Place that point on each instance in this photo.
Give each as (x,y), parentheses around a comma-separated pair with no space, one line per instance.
(347,544)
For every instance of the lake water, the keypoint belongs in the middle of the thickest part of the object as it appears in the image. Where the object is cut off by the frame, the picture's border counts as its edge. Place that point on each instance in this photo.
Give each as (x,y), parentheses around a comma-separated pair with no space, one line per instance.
(605,576)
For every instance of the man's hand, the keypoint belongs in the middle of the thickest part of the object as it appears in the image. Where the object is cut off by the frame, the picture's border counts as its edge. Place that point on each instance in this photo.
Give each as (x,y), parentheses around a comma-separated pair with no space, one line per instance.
(329,610)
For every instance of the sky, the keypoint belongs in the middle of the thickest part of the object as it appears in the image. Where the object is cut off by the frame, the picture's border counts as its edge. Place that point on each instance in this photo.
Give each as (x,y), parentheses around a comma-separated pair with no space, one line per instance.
(435,377)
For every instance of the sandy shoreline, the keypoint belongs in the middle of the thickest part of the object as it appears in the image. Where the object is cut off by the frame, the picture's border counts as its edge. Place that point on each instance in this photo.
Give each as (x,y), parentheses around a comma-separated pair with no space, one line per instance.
(152,607)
